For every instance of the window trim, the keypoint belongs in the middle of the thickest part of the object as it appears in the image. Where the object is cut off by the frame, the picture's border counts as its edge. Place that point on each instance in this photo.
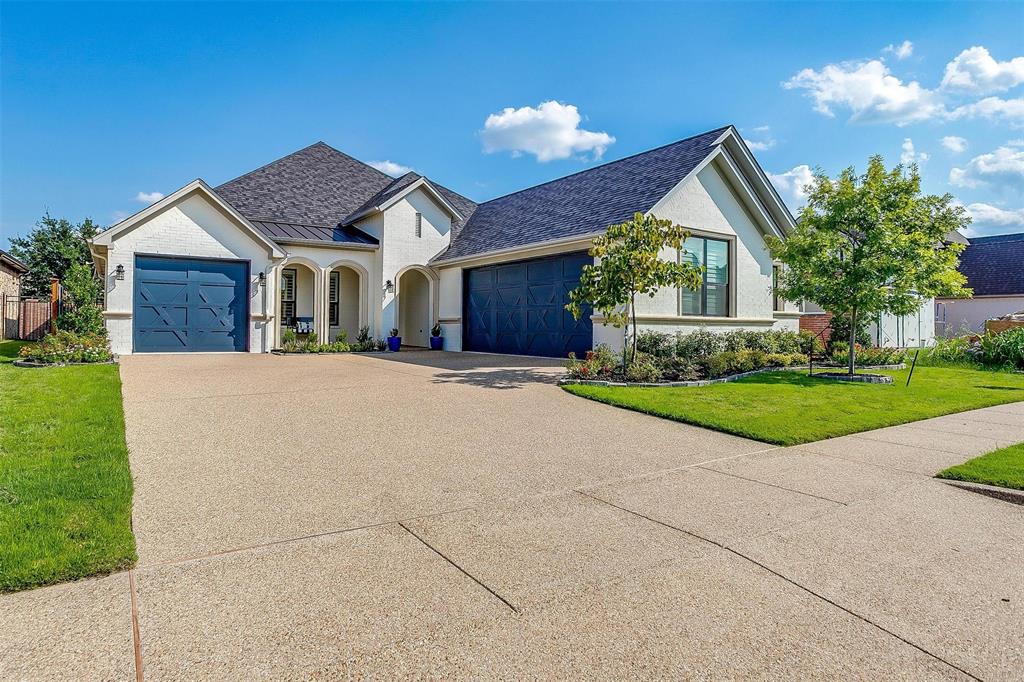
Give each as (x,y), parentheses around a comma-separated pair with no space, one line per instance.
(288,304)
(703,290)
(334,297)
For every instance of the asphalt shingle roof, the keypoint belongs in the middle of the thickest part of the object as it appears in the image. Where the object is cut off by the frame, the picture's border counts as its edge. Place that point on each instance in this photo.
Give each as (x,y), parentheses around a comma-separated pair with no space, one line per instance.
(314,192)
(583,203)
(317,185)
(994,266)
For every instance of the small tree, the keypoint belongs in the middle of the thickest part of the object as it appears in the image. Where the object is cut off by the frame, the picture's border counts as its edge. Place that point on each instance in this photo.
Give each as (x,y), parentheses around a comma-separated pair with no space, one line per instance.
(629,265)
(50,249)
(82,291)
(871,244)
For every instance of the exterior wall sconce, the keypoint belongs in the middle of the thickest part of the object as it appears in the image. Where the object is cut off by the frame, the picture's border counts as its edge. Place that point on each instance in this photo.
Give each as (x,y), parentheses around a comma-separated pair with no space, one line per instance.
(119,272)
(262,277)
(389,287)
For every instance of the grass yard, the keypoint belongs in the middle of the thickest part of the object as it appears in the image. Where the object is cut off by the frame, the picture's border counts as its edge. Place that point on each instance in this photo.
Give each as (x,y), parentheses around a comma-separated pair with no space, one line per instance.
(787,408)
(1004,468)
(65,486)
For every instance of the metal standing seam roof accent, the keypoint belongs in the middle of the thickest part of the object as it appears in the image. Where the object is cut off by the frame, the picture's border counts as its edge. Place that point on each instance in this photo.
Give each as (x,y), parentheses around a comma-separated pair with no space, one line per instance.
(277,230)
(994,266)
(583,203)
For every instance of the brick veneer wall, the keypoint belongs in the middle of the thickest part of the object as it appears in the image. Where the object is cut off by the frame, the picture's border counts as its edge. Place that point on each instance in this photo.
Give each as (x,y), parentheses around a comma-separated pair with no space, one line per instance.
(817,323)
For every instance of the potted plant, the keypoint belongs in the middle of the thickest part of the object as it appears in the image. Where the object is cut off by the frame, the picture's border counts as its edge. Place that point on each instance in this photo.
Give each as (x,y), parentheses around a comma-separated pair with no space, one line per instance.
(394,341)
(436,340)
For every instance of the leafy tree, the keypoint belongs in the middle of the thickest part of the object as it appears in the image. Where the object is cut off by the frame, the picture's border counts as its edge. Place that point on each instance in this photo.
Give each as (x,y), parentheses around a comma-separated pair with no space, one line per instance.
(50,249)
(628,266)
(871,244)
(82,291)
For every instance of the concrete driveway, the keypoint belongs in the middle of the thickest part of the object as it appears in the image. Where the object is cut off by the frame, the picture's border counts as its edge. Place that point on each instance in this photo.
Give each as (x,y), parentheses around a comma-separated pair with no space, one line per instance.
(443,515)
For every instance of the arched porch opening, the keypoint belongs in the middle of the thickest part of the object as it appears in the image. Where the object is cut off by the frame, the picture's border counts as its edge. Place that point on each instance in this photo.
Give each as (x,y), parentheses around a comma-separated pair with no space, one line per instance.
(297,298)
(415,307)
(346,300)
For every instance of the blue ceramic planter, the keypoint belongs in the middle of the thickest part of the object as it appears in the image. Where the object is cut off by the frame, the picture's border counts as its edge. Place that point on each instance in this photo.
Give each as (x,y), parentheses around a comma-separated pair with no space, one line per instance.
(394,343)
(436,342)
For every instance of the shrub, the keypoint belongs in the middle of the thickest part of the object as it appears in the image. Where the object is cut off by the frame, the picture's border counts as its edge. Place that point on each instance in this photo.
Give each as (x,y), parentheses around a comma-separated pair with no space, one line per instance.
(956,349)
(436,329)
(600,363)
(798,358)
(809,343)
(643,370)
(677,369)
(779,360)
(699,344)
(81,312)
(734,341)
(366,343)
(658,344)
(1005,349)
(65,346)
(289,340)
(841,332)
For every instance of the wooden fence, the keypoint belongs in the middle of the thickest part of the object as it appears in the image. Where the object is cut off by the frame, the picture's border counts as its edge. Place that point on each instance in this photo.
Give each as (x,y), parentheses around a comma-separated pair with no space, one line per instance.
(26,319)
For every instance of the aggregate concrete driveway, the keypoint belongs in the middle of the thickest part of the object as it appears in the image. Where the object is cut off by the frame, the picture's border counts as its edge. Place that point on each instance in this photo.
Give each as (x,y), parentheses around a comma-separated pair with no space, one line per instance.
(442,515)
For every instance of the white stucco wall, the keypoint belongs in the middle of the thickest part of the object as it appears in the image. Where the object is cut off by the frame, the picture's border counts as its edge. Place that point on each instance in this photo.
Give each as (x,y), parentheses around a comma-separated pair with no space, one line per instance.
(192,226)
(953,316)
(708,206)
(401,248)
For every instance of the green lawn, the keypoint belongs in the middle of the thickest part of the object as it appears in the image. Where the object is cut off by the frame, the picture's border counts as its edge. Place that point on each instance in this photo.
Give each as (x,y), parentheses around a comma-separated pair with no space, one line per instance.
(65,486)
(787,408)
(1004,468)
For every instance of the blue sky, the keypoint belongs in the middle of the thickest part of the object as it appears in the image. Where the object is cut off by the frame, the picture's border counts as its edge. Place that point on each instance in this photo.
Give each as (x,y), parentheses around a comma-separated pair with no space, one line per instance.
(106,105)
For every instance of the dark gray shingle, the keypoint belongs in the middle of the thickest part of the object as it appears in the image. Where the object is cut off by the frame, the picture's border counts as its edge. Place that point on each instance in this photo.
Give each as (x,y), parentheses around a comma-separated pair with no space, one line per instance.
(583,203)
(994,266)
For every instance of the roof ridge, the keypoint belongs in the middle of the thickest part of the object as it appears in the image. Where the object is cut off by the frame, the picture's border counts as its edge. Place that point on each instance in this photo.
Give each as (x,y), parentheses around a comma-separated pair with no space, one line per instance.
(609,163)
(318,143)
(998,238)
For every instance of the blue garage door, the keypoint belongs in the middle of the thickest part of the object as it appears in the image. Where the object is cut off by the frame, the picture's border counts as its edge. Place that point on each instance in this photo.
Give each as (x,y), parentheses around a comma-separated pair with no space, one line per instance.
(520,307)
(186,304)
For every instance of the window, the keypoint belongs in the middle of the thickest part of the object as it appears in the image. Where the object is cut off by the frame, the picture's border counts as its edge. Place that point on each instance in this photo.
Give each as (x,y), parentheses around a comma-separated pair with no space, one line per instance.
(288,297)
(777,302)
(419,224)
(332,299)
(712,298)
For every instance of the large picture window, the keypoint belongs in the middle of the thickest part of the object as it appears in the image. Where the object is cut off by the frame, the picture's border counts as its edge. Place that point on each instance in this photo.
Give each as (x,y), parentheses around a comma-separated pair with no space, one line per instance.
(712,298)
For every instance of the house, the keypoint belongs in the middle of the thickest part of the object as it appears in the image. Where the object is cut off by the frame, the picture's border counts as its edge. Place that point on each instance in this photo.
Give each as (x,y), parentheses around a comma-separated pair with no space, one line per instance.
(11,270)
(318,240)
(994,267)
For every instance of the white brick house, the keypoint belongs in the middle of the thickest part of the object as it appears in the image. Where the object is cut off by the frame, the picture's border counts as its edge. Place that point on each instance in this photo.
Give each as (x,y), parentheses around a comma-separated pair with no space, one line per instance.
(318,240)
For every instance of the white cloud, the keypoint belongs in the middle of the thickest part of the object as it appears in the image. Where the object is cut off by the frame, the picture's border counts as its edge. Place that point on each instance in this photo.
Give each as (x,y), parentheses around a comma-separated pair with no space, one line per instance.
(550,131)
(118,216)
(869,91)
(908,155)
(766,142)
(791,185)
(1019,142)
(149,197)
(901,51)
(390,167)
(1009,110)
(954,144)
(975,71)
(1004,166)
(988,219)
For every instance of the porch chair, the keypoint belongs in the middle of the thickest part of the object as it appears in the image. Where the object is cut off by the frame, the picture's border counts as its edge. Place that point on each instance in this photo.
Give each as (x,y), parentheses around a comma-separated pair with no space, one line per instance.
(303,325)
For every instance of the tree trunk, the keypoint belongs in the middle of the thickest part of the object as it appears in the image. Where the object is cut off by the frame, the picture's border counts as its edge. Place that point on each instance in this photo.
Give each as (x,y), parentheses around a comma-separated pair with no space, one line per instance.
(853,339)
(632,315)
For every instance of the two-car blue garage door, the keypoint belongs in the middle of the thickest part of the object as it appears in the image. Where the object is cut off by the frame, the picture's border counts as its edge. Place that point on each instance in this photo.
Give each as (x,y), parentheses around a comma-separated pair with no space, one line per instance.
(190,304)
(520,307)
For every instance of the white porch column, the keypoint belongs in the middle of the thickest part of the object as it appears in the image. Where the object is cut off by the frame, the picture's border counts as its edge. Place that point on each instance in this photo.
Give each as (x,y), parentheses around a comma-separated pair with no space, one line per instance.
(324,325)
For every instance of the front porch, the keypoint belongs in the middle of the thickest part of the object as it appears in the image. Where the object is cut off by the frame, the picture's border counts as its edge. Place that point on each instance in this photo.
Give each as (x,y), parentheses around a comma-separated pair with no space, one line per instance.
(332,301)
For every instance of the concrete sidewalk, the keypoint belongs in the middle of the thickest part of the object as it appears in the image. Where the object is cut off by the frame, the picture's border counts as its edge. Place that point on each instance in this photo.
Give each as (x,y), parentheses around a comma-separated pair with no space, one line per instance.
(718,558)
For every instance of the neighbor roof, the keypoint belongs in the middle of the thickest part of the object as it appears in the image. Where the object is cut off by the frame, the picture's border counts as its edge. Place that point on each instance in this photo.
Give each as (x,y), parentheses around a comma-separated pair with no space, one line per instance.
(13,262)
(994,266)
(583,203)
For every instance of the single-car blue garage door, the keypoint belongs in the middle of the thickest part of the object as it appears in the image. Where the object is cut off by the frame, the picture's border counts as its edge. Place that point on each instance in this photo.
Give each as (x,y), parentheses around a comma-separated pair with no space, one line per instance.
(190,304)
(520,307)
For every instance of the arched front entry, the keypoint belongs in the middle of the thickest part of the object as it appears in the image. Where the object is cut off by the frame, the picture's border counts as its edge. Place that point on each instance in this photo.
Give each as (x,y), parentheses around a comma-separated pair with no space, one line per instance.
(414,308)
(346,299)
(298,297)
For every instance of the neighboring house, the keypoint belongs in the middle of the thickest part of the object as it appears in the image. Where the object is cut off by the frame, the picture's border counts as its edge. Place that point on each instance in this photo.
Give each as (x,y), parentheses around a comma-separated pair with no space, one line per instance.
(322,241)
(994,267)
(11,270)
(891,331)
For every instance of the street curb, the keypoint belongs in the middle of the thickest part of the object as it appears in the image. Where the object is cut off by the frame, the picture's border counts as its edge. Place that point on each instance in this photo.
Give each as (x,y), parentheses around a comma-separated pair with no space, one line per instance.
(1004,494)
